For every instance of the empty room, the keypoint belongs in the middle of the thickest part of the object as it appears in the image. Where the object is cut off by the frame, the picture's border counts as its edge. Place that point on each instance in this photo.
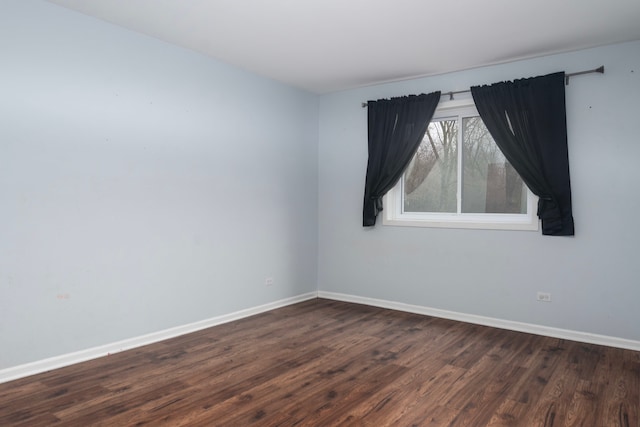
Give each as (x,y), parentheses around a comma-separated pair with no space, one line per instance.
(306,213)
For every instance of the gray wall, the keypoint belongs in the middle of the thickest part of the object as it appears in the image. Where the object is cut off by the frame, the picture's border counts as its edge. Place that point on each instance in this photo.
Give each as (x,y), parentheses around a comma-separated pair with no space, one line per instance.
(594,277)
(142,186)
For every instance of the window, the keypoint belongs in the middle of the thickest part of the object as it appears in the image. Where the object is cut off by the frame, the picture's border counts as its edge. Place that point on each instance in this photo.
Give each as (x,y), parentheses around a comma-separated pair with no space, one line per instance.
(459,178)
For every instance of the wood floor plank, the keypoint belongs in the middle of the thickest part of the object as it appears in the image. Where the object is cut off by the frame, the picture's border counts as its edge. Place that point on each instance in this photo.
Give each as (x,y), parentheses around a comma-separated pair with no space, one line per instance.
(406,394)
(620,383)
(330,363)
(508,414)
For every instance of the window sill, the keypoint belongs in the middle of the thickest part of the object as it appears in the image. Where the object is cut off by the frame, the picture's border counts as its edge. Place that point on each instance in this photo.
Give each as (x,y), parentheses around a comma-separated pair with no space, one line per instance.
(454,221)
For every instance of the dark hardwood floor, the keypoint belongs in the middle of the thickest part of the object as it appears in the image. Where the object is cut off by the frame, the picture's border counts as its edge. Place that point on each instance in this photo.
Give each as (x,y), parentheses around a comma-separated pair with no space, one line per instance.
(326,363)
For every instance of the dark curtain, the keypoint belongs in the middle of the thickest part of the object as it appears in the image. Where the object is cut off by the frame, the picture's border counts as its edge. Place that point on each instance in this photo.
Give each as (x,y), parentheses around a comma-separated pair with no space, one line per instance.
(396,128)
(527,119)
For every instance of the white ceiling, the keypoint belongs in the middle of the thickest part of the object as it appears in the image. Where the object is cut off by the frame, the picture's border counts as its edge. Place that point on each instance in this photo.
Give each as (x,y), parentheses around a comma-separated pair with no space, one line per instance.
(329,45)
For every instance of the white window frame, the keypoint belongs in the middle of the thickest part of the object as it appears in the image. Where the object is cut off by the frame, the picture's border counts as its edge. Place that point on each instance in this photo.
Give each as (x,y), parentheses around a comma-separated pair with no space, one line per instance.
(394,215)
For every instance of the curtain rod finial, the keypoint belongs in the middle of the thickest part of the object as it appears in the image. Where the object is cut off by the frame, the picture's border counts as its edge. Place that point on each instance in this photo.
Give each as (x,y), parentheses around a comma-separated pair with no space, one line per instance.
(600,70)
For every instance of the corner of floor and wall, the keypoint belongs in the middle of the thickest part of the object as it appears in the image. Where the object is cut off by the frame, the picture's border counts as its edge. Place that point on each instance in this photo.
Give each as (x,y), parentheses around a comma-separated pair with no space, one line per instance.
(149,191)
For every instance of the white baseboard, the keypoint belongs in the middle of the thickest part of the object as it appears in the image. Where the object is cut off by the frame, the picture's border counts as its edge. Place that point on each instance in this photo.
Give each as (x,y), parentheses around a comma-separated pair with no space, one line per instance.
(44,365)
(488,321)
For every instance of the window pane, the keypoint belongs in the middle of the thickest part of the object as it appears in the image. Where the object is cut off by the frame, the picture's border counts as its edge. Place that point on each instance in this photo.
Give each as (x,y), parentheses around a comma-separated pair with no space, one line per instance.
(430,181)
(489,182)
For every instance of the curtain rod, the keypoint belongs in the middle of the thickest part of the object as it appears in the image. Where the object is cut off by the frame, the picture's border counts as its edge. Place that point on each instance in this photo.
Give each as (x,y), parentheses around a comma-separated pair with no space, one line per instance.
(600,70)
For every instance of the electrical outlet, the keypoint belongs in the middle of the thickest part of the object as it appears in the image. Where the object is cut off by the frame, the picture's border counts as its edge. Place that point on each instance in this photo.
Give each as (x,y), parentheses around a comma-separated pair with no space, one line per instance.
(544,297)
(268,281)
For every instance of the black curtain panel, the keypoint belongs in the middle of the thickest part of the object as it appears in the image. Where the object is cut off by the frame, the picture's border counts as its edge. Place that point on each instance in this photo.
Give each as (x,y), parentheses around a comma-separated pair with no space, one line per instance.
(527,119)
(396,128)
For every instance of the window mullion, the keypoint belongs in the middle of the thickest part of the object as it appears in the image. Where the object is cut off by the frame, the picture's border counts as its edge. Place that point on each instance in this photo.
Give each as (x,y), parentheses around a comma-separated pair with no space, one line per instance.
(399,201)
(460,166)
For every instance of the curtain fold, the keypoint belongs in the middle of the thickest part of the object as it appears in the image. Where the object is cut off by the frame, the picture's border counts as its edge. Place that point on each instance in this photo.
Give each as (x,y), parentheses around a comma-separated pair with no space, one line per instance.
(527,119)
(396,127)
